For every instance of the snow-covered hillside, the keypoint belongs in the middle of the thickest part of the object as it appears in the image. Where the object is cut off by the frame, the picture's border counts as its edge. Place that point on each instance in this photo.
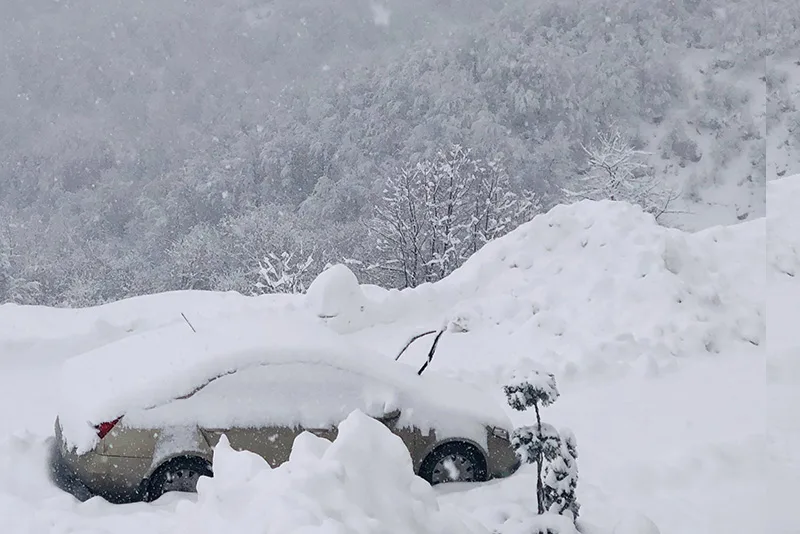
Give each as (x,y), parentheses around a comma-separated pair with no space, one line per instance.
(585,287)
(735,129)
(657,338)
(783,118)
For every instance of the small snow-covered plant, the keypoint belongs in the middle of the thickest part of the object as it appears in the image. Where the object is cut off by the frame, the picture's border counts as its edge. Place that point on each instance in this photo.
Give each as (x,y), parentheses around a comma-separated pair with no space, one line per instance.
(560,474)
(284,273)
(531,389)
(553,452)
(530,444)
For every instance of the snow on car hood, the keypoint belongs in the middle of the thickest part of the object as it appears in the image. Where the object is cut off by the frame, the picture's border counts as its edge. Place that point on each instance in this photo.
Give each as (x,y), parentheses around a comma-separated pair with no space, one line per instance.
(142,375)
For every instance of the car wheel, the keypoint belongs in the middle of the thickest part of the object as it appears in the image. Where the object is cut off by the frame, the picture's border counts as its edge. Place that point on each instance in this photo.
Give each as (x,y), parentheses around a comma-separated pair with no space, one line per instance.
(179,474)
(454,462)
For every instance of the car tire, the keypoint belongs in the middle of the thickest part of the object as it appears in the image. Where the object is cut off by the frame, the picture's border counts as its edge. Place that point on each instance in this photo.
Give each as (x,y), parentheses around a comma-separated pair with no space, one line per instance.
(177,474)
(467,464)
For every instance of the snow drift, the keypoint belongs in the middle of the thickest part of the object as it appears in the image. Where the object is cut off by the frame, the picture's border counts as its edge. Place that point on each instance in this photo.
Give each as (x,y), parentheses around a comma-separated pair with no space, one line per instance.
(585,284)
(62,332)
(783,357)
(362,483)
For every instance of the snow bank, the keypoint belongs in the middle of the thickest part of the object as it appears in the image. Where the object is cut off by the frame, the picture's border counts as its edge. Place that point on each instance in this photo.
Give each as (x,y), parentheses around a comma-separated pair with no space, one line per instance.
(783,272)
(62,332)
(598,273)
(509,507)
(598,282)
(361,483)
(783,357)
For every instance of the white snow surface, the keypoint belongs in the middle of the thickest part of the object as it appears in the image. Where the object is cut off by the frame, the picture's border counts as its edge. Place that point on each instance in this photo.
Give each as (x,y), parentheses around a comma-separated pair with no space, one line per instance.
(591,285)
(324,488)
(657,338)
(783,358)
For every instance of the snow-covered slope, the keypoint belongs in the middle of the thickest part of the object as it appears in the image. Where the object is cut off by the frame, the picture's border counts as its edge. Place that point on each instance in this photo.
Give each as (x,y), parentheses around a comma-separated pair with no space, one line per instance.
(656,336)
(735,129)
(783,118)
(783,360)
(588,284)
(710,149)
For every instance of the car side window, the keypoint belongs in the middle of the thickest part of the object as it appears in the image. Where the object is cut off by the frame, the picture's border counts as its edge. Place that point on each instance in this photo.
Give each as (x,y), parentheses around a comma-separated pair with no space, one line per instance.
(311,395)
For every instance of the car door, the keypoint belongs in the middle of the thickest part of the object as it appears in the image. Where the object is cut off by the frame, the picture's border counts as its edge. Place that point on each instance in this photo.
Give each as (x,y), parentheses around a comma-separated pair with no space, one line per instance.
(357,391)
(273,404)
(274,444)
(246,407)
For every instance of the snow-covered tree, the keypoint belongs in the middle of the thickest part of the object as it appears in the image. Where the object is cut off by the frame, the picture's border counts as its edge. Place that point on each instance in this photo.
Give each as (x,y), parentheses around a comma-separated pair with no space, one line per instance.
(194,125)
(13,286)
(553,452)
(560,474)
(435,214)
(197,259)
(615,170)
(399,226)
(498,208)
(287,272)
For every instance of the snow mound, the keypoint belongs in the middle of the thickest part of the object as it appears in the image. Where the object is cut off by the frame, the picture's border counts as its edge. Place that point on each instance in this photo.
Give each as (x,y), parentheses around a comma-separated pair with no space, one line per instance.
(783,357)
(509,507)
(361,483)
(336,296)
(605,272)
(602,281)
(783,268)
(62,332)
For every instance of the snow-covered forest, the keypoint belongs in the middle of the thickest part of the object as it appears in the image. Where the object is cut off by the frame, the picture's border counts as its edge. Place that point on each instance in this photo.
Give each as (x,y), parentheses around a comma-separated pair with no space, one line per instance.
(244,144)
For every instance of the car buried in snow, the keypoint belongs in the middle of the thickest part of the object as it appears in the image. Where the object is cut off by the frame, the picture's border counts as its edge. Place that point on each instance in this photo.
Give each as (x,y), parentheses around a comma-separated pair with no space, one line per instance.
(140,417)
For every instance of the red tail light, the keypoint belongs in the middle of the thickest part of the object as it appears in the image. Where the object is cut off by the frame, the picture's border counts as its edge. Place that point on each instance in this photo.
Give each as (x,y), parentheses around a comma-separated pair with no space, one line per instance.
(105,428)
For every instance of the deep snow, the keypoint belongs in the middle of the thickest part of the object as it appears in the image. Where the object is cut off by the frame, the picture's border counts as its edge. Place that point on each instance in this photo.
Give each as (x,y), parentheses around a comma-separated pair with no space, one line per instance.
(657,339)
(783,359)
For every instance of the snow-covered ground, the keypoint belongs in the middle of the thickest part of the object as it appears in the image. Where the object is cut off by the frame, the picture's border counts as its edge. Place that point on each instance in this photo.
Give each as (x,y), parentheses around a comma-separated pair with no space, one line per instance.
(657,338)
(783,360)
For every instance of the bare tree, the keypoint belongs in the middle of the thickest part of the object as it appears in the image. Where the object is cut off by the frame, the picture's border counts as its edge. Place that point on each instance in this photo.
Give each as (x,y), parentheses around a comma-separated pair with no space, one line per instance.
(617,171)
(398,225)
(435,214)
(287,272)
(13,285)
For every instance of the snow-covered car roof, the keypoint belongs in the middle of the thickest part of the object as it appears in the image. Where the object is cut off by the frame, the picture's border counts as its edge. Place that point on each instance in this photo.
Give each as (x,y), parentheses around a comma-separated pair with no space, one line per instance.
(145,372)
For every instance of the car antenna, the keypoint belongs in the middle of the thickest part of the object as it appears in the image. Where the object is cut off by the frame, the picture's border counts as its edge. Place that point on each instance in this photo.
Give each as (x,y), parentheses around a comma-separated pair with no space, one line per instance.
(430,352)
(187,322)
(412,340)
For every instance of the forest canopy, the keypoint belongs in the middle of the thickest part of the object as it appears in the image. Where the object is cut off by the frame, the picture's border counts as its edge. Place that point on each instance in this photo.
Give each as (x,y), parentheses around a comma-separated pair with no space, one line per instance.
(149,146)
